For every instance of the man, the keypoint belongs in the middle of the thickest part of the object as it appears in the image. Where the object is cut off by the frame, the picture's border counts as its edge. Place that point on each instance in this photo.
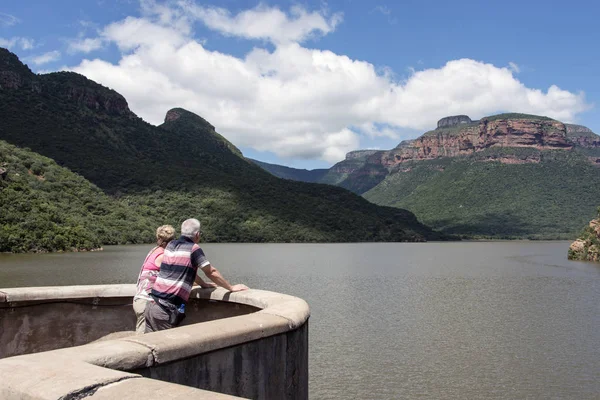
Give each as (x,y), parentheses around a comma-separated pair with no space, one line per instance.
(178,272)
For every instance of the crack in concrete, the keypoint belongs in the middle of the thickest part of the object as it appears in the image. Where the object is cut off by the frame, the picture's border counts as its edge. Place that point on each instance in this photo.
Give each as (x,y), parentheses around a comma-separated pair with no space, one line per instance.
(92,389)
(291,323)
(151,348)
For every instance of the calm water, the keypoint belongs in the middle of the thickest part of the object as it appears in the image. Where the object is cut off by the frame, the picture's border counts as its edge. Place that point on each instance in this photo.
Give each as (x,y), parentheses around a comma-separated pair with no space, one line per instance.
(501,320)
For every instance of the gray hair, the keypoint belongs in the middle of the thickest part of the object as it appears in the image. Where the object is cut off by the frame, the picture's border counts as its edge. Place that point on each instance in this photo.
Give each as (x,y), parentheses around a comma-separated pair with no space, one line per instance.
(190,227)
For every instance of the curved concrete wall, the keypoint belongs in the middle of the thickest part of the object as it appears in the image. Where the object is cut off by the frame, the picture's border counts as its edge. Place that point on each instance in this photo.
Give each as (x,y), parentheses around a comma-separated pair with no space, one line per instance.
(261,352)
(44,319)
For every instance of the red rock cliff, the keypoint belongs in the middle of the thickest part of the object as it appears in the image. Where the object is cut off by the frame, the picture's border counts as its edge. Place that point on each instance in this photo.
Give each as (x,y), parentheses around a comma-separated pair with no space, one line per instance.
(466,139)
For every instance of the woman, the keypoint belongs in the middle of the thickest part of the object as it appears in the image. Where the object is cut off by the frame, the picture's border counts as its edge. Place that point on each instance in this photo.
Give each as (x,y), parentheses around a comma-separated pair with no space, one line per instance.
(148,274)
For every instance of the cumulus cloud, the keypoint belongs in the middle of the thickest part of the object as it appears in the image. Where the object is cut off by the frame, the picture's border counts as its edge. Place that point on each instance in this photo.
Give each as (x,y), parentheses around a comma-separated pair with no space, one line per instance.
(266,23)
(86,45)
(22,42)
(45,58)
(292,100)
(8,20)
(514,67)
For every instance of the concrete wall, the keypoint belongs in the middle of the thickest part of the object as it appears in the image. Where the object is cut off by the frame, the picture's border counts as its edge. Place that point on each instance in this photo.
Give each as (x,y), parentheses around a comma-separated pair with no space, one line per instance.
(269,368)
(31,326)
(252,344)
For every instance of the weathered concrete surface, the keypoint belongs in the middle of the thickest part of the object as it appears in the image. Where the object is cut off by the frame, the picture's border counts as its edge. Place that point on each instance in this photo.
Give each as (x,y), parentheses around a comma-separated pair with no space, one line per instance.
(196,339)
(293,309)
(37,323)
(68,292)
(41,327)
(120,355)
(43,376)
(150,389)
(274,367)
(260,355)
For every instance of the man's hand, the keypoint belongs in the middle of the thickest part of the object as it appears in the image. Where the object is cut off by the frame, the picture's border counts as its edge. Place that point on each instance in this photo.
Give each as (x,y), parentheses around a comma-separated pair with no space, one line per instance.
(238,288)
(206,285)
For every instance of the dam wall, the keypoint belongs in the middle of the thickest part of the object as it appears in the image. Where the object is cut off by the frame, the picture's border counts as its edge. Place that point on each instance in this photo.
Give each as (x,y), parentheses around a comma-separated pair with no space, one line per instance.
(78,341)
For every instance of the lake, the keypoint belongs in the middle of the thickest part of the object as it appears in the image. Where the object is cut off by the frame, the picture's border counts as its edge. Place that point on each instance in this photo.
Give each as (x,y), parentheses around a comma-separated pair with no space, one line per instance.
(467,320)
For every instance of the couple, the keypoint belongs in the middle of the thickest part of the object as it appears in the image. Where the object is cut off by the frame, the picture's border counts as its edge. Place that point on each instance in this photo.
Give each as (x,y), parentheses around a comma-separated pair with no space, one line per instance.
(167,276)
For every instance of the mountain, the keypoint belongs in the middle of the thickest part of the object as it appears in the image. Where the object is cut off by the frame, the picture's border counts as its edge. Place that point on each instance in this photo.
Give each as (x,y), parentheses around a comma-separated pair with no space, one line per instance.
(295,174)
(182,168)
(46,207)
(504,176)
(587,246)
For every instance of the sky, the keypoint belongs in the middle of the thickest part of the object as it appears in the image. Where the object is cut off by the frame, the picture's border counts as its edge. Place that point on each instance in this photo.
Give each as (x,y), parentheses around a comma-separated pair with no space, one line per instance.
(302,83)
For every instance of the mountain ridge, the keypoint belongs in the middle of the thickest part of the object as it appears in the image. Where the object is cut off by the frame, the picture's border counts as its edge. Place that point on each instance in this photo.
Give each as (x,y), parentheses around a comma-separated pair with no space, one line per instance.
(557,161)
(181,168)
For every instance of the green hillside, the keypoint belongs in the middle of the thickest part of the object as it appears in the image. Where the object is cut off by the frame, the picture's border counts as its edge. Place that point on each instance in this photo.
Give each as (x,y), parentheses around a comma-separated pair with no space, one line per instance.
(465,195)
(45,207)
(295,174)
(525,176)
(181,169)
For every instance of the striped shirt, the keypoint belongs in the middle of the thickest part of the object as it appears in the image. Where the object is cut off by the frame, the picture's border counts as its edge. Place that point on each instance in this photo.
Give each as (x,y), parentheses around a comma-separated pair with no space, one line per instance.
(178,270)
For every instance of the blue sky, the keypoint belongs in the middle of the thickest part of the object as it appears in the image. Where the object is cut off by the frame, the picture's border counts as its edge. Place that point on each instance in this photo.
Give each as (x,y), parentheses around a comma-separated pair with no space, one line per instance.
(301,83)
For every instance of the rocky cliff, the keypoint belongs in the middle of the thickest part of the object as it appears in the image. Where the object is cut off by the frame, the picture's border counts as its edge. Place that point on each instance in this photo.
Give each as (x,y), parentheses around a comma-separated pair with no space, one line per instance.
(176,113)
(67,85)
(587,247)
(453,121)
(582,136)
(456,136)
(359,154)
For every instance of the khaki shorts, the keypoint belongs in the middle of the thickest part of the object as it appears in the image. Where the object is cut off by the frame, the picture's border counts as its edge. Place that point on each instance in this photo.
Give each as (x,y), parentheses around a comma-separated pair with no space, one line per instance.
(139,307)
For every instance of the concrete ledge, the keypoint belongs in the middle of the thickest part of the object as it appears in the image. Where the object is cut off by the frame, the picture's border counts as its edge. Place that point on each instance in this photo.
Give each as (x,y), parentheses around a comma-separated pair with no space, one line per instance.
(144,388)
(66,292)
(45,376)
(122,355)
(98,369)
(188,341)
(293,309)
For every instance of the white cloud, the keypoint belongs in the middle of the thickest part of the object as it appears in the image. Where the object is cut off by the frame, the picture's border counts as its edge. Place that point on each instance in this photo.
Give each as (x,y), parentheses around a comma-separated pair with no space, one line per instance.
(46,58)
(8,20)
(296,101)
(265,23)
(86,45)
(135,32)
(385,10)
(22,42)
(514,67)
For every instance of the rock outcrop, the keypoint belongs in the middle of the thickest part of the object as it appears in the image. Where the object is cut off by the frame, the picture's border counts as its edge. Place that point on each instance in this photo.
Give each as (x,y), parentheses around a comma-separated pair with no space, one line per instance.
(358,154)
(533,132)
(453,121)
(573,129)
(68,85)
(582,136)
(176,113)
(587,246)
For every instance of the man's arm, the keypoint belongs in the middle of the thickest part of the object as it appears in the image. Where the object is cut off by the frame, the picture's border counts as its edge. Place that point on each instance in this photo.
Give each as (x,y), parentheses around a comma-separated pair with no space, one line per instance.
(214,275)
(203,284)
